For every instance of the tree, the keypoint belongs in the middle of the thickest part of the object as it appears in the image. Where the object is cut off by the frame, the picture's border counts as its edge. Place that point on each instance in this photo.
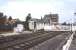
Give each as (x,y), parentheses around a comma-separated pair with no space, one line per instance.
(2,18)
(18,20)
(41,18)
(28,17)
(10,18)
(5,18)
(64,23)
(26,24)
(1,14)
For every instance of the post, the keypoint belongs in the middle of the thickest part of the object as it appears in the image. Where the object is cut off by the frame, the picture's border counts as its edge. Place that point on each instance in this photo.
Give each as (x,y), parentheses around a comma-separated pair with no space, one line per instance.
(74,15)
(71,26)
(34,26)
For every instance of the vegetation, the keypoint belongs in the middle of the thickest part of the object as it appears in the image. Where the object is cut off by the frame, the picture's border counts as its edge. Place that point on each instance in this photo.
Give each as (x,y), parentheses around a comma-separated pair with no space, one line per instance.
(26,23)
(64,23)
(3,19)
(10,18)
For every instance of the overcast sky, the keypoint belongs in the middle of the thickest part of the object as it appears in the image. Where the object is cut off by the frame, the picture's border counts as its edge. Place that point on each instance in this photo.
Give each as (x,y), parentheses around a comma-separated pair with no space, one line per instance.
(37,8)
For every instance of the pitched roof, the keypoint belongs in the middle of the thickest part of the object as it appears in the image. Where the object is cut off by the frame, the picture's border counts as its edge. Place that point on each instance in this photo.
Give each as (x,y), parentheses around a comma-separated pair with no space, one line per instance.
(34,19)
(46,18)
(49,16)
(40,20)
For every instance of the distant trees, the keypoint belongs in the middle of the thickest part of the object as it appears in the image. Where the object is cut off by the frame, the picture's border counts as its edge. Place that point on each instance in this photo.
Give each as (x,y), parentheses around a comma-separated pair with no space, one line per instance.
(1,14)
(26,23)
(3,18)
(64,23)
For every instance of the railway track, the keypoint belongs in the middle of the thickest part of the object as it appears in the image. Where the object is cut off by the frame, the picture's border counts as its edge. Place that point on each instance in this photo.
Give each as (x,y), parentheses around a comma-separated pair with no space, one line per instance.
(25,41)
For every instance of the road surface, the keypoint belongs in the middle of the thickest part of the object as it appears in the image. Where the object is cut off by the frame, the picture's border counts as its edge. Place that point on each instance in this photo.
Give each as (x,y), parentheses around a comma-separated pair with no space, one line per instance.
(36,40)
(55,43)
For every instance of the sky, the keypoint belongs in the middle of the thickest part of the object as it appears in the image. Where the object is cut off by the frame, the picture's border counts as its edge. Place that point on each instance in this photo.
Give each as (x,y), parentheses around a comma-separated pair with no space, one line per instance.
(20,8)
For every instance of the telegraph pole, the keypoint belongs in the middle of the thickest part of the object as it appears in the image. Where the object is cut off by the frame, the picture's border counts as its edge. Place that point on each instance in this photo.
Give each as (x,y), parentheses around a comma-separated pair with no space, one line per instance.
(74,15)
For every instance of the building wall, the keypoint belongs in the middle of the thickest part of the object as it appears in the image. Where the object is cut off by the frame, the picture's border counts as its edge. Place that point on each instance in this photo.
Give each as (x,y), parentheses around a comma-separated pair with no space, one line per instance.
(19,28)
(39,26)
(63,27)
(51,28)
(69,28)
(6,28)
(6,25)
(2,20)
(46,26)
(31,25)
(52,17)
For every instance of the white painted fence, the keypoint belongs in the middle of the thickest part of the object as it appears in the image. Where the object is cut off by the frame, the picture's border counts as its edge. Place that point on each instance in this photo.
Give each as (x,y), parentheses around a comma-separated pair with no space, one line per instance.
(67,45)
(19,28)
